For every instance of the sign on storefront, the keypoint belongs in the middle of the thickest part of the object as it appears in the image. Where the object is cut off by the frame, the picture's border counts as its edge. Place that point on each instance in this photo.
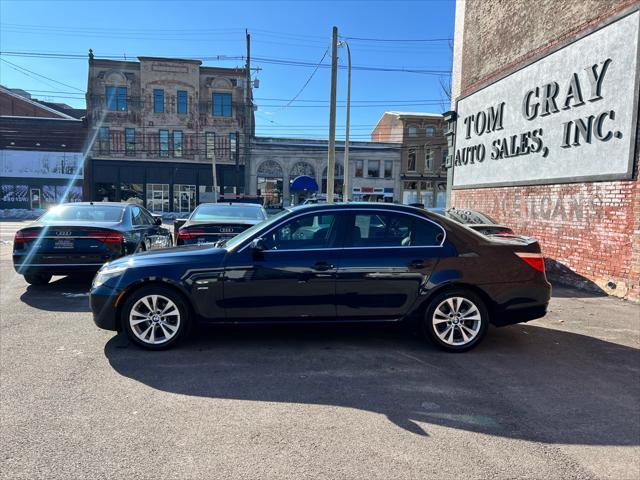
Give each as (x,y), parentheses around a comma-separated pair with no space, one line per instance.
(569,116)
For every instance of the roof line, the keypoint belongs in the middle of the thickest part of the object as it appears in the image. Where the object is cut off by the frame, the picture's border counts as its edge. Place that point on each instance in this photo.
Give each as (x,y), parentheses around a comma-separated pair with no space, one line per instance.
(35,104)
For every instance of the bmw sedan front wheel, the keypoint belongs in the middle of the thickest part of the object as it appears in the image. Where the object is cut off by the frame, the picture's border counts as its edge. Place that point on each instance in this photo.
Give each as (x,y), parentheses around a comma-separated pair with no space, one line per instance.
(456,320)
(155,317)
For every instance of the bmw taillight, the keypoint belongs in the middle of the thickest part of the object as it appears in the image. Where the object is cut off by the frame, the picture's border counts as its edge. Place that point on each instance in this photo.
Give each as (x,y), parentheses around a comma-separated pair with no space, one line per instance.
(189,233)
(534,260)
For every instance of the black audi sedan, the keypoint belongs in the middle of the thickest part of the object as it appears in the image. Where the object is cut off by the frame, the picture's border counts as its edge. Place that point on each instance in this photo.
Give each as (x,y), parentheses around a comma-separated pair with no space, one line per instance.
(336,263)
(80,237)
(212,222)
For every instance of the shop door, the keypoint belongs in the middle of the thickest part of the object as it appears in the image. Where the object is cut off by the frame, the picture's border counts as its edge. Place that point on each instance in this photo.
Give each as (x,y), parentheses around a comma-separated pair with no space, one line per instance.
(35,198)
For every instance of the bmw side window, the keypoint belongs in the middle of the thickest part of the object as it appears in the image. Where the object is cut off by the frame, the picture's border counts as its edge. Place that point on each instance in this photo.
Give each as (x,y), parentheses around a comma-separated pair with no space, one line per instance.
(373,230)
(425,234)
(303,233)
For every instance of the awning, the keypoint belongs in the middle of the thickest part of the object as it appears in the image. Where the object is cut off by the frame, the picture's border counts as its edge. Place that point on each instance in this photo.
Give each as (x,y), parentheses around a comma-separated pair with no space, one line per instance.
(304,183)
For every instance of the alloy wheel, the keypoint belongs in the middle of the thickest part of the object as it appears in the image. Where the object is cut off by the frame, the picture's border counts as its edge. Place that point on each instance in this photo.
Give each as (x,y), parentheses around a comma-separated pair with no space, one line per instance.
(457,321)
(154,319)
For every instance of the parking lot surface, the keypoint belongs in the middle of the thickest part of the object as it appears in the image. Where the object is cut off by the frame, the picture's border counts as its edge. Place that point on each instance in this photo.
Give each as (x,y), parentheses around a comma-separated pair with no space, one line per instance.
(556,398)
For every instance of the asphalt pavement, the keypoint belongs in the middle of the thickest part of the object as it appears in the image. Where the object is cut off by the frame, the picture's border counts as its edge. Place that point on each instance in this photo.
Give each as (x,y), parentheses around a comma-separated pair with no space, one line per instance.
(556,398)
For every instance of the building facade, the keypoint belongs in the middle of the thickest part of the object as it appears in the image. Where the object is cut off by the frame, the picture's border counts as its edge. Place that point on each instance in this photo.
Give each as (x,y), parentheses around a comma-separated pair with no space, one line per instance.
(41,155)
(159,124)
(546,135)
(374,170)
(424,150)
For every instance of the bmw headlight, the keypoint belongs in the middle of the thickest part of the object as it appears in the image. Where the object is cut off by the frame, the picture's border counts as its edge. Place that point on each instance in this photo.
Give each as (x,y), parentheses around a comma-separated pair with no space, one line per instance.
(107,272)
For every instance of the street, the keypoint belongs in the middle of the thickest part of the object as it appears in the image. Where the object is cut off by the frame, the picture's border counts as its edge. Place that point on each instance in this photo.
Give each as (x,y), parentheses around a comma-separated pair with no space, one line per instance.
(555,398)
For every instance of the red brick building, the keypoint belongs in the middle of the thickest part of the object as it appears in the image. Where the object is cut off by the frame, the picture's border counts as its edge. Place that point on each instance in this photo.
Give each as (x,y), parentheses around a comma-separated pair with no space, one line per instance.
(546,132)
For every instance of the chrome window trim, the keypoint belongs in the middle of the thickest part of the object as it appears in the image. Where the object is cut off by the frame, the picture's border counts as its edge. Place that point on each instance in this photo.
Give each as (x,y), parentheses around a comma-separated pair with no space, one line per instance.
(362,209)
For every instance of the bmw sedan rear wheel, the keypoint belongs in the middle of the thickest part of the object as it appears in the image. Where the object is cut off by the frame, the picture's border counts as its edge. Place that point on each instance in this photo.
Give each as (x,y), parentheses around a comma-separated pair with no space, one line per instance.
(456,320)
(155,317)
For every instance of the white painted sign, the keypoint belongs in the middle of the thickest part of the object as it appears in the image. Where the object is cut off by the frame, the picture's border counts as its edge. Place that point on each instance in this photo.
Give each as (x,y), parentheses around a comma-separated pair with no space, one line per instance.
(570,116)
(35,164)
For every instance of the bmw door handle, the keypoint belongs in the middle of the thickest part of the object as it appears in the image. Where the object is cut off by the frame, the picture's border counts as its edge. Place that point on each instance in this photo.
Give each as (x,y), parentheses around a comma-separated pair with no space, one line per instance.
(417,264)
(322,266)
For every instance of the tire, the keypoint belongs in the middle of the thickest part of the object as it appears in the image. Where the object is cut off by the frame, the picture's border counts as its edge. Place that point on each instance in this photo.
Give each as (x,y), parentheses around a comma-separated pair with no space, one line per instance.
(37,278)
(147,327)
(456,320)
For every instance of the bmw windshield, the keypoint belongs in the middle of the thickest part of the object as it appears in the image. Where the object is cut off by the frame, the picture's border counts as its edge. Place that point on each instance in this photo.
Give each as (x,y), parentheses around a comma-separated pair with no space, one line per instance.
(248,233)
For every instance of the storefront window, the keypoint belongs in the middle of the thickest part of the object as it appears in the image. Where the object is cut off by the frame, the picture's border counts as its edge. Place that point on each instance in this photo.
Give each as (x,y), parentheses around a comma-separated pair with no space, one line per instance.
(14,193)
(338,180)
(270,189)
(105,192)
(184,198)
(158,197)
(205,194)
(270,183)
(132,192)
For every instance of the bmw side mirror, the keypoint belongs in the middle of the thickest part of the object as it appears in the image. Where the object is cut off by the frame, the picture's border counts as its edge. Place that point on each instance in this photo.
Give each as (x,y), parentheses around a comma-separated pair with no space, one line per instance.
(258,245)
(157,219)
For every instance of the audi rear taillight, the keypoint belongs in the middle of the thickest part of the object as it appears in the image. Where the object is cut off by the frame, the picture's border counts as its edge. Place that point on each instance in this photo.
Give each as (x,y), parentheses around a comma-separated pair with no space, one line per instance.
(190,232)
(534,260)
(24,237)
(107,237)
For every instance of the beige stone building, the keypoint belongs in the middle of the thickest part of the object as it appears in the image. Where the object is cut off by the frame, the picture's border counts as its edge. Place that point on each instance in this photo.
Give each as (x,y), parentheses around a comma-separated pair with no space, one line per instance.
(158,124)
(423,154)
(374,170)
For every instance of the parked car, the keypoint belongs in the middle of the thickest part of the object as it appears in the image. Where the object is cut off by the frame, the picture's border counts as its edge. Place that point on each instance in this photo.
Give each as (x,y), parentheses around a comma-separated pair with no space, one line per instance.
(480,222)
(80,237)
(330,263)
(211,222)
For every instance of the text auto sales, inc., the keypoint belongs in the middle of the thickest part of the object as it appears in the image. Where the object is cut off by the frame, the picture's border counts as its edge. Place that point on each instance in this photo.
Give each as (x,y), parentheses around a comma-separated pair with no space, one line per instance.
(582,87)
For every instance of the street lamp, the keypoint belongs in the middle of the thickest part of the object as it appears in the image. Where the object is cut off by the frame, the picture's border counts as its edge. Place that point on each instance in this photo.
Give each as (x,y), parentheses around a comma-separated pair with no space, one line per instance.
(345,177)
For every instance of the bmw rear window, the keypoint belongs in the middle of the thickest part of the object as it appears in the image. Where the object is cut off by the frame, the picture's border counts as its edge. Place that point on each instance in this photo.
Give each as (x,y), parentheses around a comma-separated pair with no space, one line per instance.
(84,213)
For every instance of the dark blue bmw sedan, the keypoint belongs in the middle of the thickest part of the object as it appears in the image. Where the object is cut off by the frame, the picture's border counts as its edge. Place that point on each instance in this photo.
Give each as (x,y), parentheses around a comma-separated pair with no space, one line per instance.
(330,263)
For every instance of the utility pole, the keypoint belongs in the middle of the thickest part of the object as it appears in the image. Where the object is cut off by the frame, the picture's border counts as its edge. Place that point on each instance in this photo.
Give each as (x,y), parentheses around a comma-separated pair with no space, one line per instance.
(215,176)
(345,182)
(248,126)
(331,161)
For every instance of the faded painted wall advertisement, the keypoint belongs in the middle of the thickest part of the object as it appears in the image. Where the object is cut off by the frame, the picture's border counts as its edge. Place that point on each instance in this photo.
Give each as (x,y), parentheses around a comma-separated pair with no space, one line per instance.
(569,116)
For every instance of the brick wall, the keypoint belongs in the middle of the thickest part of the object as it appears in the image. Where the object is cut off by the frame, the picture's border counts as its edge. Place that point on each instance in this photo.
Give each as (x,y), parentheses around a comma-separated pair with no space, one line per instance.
(499,35)
(589,232)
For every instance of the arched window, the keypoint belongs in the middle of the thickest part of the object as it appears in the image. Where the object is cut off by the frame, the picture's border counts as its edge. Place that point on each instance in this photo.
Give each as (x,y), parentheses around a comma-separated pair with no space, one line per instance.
(430,131)
(412,131)
(270,180)
(337,179)
(302,168)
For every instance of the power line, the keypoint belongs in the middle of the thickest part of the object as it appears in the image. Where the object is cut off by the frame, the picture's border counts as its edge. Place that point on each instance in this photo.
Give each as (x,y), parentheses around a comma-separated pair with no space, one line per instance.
(39,75)
(307,82)
(261,60)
